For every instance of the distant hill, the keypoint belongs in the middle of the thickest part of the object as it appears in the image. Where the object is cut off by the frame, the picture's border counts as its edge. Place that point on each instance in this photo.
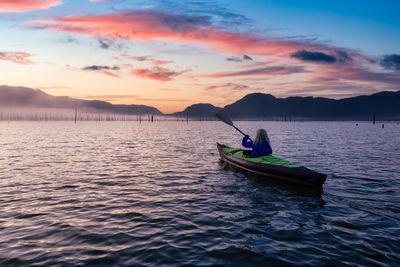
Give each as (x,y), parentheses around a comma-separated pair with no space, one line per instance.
(199,110)
(385,105)
(23,97)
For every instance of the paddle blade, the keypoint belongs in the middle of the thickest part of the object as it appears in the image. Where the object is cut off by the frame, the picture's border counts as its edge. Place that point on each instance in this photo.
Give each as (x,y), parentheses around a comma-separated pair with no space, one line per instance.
(223,117)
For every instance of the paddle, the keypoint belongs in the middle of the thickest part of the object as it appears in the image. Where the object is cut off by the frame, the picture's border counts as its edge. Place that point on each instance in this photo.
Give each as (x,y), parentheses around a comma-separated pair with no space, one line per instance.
(223,117)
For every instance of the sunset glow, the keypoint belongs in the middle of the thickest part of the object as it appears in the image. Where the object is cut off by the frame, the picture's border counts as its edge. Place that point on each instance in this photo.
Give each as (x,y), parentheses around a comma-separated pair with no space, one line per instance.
(170,54)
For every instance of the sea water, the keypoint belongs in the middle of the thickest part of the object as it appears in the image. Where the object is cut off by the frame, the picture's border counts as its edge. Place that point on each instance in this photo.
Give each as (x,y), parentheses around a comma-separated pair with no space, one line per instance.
(139,194)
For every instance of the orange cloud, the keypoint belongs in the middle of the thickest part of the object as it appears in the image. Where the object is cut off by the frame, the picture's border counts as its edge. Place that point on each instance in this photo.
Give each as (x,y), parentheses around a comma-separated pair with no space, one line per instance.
(143,25)
(17,57)
(156,73)
(26,5)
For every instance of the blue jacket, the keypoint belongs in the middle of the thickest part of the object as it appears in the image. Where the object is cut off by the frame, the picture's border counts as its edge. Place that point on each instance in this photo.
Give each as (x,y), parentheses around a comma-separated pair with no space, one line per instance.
(258,150)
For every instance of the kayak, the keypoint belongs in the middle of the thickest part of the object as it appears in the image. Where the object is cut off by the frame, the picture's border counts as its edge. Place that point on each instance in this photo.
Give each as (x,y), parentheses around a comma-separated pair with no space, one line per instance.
(271,167)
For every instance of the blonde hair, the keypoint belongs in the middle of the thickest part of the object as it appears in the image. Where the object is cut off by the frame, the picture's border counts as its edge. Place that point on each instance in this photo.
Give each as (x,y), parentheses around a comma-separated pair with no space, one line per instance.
(261,137)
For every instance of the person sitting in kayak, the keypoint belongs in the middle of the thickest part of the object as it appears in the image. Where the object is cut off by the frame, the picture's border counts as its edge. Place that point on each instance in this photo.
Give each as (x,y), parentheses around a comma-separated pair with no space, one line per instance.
(260,145)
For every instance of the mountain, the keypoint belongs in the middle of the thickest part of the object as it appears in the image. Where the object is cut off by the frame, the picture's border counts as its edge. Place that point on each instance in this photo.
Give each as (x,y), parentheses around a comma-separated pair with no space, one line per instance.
(199,110)
(383,104)
(23,97)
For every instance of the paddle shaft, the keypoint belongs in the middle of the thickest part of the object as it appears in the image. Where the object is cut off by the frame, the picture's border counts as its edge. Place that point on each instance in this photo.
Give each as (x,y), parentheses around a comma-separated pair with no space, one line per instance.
(224,118)
(240,131)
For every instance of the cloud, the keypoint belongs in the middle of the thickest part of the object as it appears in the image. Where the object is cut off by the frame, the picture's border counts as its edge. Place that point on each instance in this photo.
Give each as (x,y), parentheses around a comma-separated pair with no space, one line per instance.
(239,59)
(246,57)
(17,57)
(356,73)
(227,86)
(234,59)
(26,5)
(127,65)
(145,25)
(183,24)
(69,40)
(156,62)
(105,44)
(343,56)
(140,58)
(273,70)
(217,13)
(97,67)
(318,57)
(110,74)
(103,69)
(157,73)
(391,62)
(109,44)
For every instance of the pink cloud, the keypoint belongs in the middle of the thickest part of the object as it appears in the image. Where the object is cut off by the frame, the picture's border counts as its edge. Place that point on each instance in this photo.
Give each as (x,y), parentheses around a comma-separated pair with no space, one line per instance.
(160,62)
(17,57)
(127,65)
(143,25)
(156,73)
(139,58)
(26,5)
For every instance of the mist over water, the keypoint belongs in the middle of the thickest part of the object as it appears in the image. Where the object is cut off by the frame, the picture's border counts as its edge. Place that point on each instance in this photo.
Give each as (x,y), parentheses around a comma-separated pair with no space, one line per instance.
(125,193)
(72,114)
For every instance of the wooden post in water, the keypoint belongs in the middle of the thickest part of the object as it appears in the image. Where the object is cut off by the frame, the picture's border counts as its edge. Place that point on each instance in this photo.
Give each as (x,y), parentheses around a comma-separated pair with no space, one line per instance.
(152,118)
(373,119)
(187,117)
(76,114)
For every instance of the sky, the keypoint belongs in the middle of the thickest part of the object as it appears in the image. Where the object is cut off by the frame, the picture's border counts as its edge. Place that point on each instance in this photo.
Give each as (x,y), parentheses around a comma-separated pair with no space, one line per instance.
(170,54)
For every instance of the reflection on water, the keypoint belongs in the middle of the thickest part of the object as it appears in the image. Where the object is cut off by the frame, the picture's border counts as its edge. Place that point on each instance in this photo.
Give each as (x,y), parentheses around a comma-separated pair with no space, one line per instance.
(126,193)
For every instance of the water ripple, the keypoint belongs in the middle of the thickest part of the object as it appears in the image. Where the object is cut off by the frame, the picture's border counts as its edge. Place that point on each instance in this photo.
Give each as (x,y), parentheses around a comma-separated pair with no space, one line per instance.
(122,193)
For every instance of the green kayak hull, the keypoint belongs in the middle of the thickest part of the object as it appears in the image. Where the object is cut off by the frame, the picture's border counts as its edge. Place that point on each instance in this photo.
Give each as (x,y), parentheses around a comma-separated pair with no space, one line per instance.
(271,167)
